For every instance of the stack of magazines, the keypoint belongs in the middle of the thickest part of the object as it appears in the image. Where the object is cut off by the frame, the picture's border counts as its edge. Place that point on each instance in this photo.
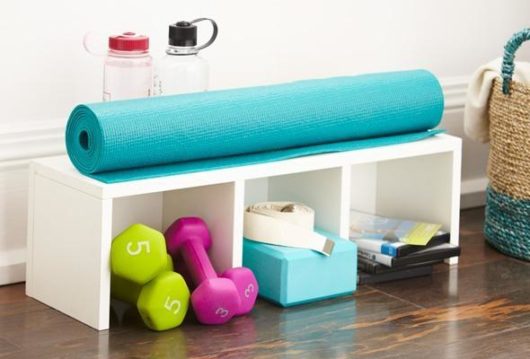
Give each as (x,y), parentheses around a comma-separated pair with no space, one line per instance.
(392,249)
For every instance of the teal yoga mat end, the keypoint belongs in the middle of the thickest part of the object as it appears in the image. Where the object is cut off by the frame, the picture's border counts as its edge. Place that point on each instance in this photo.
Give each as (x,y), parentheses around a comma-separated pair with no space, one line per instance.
(138,139)
(84,139)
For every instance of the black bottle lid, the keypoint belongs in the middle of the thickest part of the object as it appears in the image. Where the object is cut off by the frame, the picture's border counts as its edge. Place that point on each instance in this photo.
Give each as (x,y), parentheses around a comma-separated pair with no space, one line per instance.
(183,33)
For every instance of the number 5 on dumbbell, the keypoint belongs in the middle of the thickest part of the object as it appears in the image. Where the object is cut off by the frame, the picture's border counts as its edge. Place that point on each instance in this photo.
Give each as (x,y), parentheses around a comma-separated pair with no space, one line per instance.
(138,254)
(172,303)
(139,246)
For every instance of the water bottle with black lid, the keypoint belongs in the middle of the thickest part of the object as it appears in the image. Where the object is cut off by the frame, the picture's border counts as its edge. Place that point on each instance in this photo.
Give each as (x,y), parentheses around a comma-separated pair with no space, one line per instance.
(182,70)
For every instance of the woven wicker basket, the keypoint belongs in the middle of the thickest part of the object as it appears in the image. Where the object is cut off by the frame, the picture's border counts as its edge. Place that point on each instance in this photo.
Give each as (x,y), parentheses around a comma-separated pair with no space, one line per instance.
(507,225)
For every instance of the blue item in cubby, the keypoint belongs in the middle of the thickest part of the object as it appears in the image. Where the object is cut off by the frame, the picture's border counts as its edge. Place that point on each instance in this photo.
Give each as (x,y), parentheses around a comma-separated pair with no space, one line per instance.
(289,276)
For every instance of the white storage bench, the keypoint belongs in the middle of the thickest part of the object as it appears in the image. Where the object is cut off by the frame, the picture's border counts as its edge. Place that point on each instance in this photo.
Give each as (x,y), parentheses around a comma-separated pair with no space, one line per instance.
(72,218)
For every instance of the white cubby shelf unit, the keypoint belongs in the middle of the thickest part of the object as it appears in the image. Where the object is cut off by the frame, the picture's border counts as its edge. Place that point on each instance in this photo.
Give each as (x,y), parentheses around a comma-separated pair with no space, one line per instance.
(72,218)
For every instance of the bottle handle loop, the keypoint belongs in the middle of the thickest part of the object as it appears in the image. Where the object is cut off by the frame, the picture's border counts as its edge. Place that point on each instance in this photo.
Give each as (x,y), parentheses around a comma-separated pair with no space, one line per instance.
(214,32)
(92,43)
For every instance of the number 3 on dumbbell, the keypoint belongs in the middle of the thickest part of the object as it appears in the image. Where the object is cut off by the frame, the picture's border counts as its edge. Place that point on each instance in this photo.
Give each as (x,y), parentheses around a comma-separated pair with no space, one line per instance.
(222,312)
(139,246)
(249,290)
(169,304)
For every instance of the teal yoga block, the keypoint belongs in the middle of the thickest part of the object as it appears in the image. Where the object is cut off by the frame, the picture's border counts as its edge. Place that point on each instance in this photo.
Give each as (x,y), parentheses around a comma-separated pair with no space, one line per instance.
(290,276)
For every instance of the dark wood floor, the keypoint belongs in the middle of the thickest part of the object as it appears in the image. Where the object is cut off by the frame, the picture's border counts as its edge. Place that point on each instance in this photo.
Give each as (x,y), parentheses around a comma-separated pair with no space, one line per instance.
(480,309)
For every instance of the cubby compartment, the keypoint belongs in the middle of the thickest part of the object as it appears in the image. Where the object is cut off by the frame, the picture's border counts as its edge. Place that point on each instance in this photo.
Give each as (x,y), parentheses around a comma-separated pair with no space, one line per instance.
(420,188)
(220,205)
(322,190)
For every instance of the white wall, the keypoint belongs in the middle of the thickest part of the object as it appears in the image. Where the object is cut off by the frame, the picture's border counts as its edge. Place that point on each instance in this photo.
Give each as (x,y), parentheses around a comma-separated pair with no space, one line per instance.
(45,71)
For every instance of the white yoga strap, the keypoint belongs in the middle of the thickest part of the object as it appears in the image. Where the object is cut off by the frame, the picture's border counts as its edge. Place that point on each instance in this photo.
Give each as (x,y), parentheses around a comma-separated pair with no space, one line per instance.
(285,224)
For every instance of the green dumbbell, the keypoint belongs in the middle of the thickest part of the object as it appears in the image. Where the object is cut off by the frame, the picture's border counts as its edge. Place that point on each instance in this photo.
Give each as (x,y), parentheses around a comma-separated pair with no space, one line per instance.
(142,277)
(128,291)
(163,302)
(138,254)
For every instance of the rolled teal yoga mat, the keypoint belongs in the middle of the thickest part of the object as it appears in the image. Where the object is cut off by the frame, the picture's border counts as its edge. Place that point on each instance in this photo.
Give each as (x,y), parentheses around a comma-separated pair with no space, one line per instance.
(137,139)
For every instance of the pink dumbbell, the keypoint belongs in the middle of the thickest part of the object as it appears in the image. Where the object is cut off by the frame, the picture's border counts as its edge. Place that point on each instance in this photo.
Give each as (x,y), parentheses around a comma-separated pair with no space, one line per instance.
(216,299)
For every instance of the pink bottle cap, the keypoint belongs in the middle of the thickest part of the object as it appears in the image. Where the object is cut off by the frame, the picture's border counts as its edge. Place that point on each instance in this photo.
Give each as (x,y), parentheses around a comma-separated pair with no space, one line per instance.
(129,41)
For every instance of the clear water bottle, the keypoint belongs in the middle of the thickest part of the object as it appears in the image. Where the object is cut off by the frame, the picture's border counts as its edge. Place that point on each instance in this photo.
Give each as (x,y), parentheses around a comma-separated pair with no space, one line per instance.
(128,68)
(182,70)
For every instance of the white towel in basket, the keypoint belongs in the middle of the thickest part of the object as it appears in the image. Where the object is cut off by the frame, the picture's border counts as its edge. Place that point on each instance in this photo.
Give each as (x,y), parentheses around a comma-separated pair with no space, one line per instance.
(476,121)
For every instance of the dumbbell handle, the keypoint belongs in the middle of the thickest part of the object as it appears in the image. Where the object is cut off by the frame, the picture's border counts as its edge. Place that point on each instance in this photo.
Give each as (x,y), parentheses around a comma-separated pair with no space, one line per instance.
(197,261)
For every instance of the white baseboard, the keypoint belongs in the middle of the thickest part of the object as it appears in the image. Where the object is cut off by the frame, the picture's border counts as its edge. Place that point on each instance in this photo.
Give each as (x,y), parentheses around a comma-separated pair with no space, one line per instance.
(473,193)
(20,144)
(455,89)
(14,273)
(13,266)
